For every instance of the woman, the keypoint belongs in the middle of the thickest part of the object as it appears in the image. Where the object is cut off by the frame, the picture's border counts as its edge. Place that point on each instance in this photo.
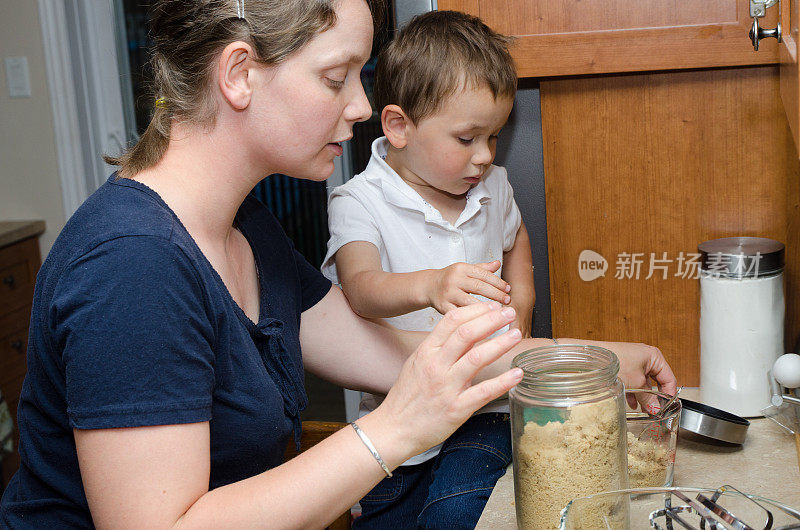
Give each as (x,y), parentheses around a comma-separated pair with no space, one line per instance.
(164,370)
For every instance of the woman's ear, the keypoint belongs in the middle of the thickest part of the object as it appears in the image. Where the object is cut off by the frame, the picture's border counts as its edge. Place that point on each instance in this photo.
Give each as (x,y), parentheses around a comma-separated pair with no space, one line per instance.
(233,74)
(395,125)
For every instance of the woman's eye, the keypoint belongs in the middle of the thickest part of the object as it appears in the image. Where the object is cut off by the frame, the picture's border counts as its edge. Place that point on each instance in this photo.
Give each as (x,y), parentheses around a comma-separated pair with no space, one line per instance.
(333,83)
(465,141)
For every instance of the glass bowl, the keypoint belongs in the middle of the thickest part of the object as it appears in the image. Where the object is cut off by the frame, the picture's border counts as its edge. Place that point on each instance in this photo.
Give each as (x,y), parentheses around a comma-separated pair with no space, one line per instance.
(652,439)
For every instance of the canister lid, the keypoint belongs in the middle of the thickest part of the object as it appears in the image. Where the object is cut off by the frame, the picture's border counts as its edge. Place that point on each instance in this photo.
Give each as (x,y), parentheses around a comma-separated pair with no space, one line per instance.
(742,257)
(712,422)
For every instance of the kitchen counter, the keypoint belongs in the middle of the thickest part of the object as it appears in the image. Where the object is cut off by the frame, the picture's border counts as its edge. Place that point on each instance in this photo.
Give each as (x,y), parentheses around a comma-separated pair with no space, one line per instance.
(14,231)
(766,464)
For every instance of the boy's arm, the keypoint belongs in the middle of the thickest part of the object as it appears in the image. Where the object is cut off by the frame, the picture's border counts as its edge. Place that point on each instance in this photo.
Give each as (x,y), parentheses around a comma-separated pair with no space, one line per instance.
(518,272)
(375,293)
(371,291)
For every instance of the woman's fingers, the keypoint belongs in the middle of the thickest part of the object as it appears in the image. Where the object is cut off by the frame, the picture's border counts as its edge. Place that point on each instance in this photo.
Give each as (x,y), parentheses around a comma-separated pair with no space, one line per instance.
(641,362)
(658,369)
(453,319)
(662,373)
(479,395)
(474,330)
(467,367)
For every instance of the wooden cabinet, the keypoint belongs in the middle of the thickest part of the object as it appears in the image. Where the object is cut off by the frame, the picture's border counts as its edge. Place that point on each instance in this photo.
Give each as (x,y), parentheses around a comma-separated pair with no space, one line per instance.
(653,164)
(19,263)
(574,37)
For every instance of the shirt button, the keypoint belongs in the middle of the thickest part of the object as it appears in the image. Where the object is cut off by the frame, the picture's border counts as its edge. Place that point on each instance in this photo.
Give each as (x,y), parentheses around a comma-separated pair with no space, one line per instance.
(455,239)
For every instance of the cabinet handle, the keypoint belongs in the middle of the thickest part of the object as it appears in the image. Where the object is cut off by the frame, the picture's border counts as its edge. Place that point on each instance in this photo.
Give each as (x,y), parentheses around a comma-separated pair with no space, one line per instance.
(10,281)
(758,9)
(17,345)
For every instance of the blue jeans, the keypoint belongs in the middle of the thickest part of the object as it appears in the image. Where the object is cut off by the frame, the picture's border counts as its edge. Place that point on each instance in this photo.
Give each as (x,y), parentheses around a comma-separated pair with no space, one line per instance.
(448,491)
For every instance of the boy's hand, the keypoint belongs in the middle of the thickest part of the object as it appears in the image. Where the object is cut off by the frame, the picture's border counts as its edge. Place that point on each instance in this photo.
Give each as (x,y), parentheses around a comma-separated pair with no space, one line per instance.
(453,286)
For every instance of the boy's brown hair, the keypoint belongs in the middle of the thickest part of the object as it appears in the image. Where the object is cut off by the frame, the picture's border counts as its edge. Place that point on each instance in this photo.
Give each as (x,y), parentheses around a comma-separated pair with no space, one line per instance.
(435,55)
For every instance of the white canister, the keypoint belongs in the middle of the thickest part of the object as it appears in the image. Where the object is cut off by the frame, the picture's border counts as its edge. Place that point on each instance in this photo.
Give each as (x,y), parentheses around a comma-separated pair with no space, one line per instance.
(741,321)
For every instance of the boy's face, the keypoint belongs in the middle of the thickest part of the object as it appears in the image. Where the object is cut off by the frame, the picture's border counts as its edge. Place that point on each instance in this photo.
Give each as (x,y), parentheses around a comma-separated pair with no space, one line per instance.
(452,149)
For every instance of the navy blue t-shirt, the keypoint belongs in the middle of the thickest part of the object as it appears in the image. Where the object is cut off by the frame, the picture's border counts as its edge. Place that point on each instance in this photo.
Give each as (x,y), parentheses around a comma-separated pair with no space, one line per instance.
(132,326)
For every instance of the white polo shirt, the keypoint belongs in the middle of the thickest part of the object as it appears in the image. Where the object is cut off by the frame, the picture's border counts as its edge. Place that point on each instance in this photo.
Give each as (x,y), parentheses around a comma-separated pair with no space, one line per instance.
(379,207)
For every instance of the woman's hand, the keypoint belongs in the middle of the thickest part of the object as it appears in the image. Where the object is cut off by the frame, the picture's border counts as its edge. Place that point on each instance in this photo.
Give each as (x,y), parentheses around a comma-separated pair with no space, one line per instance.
(639,363)
(434,393)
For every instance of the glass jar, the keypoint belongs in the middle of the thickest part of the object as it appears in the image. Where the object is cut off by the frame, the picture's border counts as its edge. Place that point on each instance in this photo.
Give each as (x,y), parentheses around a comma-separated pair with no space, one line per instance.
(568,434)
(742,310)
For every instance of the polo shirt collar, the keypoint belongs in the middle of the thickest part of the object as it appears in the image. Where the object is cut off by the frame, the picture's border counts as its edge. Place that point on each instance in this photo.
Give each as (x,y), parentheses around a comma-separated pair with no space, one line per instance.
(396,191)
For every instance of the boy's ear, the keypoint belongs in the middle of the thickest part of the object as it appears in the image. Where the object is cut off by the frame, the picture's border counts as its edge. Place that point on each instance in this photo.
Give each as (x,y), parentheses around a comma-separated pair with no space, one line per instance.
(395,125)
(233,74)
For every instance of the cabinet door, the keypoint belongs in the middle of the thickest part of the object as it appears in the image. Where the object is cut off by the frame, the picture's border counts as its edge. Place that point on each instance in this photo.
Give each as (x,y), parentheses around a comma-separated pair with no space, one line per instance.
(574,37)
(790,85)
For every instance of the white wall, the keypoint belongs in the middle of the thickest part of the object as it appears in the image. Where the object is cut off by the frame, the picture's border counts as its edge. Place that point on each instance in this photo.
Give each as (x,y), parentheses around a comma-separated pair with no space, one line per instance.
(29,183)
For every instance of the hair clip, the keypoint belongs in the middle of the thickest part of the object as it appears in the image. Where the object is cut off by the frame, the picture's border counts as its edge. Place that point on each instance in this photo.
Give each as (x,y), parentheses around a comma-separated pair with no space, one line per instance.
(240,9)
(161,103)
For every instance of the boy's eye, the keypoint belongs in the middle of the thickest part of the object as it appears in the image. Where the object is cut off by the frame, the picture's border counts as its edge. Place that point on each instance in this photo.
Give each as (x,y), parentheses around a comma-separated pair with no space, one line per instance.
(465,141)
(333,83)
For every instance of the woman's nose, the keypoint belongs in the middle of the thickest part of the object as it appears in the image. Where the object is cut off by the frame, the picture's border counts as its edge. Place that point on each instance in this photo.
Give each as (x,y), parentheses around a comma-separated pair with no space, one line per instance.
(358,108)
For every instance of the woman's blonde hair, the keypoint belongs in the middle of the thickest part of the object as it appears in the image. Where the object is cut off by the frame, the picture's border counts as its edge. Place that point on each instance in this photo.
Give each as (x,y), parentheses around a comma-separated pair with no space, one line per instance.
(188,36)
(437,54)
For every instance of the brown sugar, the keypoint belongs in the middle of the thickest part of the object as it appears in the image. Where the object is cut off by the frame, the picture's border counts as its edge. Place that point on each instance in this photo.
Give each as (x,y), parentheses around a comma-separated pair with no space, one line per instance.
(558,462)
(647,463)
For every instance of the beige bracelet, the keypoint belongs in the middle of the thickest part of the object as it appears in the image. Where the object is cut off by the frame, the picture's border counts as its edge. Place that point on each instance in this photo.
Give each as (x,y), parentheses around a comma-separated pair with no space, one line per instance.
(371,448)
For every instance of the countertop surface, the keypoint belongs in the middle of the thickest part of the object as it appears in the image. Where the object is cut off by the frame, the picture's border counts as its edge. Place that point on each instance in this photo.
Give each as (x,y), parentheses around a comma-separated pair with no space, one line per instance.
(766,464)
(14,231)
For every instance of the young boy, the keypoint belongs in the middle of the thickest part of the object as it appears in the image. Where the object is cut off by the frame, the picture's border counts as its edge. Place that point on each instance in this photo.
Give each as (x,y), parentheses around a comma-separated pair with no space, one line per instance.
(431,225)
